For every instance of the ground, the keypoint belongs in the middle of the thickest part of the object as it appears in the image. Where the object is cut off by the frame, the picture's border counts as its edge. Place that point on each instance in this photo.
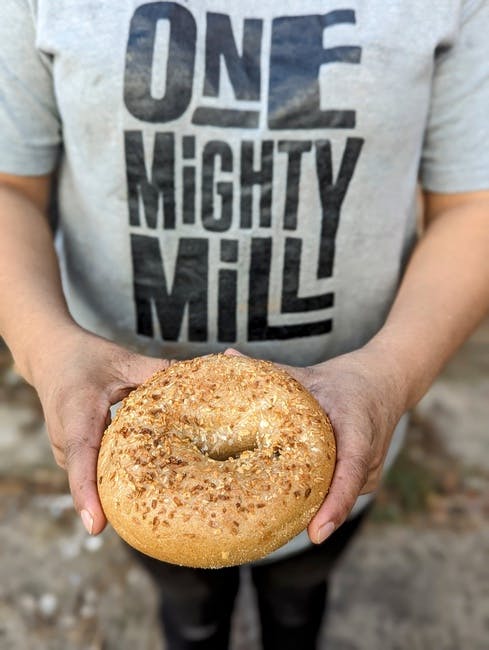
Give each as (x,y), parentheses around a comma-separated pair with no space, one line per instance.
(416,577)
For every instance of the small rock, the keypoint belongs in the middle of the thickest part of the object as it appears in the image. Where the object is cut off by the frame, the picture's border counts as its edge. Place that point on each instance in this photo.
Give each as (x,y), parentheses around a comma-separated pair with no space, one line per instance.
(93,544)
(48,605)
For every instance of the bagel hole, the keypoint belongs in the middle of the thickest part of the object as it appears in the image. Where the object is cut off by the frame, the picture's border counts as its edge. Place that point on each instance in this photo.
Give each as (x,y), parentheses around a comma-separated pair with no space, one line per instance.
(226,454)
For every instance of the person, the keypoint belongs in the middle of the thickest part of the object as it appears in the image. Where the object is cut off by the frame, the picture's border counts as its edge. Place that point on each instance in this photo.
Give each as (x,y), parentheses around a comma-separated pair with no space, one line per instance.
(243,176)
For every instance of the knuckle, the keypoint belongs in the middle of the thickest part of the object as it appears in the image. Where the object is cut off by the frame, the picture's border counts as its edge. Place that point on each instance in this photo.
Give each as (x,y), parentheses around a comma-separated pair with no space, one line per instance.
(78,447)
(72,449)
(360,468)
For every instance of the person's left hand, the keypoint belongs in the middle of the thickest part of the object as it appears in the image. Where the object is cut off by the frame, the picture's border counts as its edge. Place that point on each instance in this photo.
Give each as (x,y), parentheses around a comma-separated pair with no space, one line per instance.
(364,399)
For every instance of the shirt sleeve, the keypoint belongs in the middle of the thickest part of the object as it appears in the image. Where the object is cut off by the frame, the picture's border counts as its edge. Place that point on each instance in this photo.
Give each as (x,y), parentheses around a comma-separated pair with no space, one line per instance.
(30,130)
(455,155)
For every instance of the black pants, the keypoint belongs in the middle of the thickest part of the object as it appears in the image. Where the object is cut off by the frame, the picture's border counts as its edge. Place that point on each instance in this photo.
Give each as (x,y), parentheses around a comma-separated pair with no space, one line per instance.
(197,604)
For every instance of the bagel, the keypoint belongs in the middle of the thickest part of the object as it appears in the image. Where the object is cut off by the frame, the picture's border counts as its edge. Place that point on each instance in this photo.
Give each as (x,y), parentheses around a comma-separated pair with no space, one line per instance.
(215,461)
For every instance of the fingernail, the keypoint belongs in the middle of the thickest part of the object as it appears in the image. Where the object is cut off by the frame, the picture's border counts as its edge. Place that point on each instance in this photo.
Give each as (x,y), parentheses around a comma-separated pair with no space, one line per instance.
(87,520)
(325,531)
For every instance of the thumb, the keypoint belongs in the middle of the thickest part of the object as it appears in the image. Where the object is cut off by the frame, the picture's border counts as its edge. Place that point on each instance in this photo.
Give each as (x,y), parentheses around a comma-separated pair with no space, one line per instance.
(349,477)
(83,486)
(80,454)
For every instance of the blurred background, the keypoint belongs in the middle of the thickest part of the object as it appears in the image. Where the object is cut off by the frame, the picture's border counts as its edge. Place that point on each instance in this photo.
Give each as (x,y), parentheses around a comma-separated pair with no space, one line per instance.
(416,577)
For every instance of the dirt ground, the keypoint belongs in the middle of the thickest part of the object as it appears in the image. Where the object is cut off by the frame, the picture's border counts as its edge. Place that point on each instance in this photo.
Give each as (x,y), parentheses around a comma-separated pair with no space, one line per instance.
(416,578)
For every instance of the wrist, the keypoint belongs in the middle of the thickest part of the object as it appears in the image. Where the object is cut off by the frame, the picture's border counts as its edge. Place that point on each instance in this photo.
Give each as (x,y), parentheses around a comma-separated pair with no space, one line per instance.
(37,352)
(405,364)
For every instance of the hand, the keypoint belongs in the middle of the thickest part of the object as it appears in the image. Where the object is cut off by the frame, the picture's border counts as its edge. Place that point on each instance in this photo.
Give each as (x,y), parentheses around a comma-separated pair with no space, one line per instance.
(364,398)
(78,380)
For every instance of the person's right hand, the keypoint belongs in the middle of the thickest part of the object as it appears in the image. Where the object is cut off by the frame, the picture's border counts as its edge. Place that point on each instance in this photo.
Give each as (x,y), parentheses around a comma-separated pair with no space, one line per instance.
(78,379)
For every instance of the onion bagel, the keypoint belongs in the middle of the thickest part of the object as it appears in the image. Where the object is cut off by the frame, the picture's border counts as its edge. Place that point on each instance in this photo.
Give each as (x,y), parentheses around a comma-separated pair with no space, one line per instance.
(215,461)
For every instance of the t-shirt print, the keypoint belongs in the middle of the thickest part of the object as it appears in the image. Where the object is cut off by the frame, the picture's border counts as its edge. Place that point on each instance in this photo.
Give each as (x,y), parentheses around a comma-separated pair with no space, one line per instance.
(232,179)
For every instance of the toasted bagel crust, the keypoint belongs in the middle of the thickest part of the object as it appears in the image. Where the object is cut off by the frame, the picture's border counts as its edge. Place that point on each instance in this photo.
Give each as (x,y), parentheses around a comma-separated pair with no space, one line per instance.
(215,461)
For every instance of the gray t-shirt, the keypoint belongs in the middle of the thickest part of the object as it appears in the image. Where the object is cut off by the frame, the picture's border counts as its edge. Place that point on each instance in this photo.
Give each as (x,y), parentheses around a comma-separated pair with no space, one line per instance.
(242,176)
(242,173)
